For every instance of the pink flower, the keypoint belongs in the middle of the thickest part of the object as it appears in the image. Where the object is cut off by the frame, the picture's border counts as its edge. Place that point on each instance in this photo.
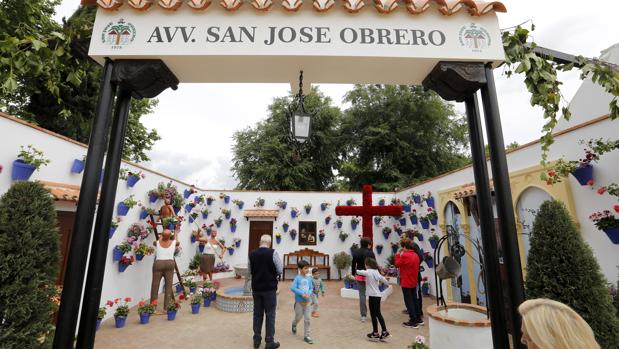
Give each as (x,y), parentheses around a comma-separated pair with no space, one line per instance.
(128,299)
(617,208)
(590,183)
(116,300)
(109,303)
(601,190)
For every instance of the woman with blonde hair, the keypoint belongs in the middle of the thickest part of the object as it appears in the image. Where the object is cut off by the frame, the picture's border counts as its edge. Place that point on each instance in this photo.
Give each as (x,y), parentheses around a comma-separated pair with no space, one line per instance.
(548,324)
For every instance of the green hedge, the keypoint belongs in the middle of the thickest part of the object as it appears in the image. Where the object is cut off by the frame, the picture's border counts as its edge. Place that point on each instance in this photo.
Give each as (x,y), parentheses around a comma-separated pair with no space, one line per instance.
(28,266)
(561,266)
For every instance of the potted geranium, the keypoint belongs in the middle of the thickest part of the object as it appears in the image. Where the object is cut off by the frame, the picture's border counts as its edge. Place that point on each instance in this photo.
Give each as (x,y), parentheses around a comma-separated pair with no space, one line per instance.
(281,204)
(434,240)
(349,280)
(379,248)
(428,259)
(386,232)
(278,237)
(381,202)
(205,213)
(432,216)
(195,300)
(125,262)
(146,310)
(143,250)
(425,222)
(125,205)
(321,235)
(294,212)
(402,221)
(418,235)
(237,242)
(209,200)
(378,220)
(153,195)
(133,177)
(172,309)
(137,231)
(193,216)
(239,203)
(324,206)
(351,202)
(230,250)
(608,223)
(187,192)
(233,223)
(226,212)
(343,236)
(419,343)
(207,295)
(218,221)
(354,222)
(121,312)
(429,199)
(225,198)
(113,227)
(28,160)
(339,223)
(293,234)
(100,315)
(188,281)
(170,223)
(308,208)
(120,250)
(259,202)
(328,219)
(189,207)
(425,286)
(398,229)
(582,170)
(413,217)
(285,226)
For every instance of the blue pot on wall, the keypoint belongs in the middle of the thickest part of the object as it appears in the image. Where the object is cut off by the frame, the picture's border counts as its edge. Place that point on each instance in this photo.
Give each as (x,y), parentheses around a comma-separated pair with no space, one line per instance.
(240,205)
(237,244)
(196,199)
(434,244)
(321,237)
(339,224)
(153,197)
(111,233)
(228,215)
(293,214)
(379,249)
(417,199)
(285,227)
(186,193)
(430,262)
(394,248)
(613,235)
(308,210)
(353,225)
(233,228)
(122,209)
(143,214)
(226,200)
(218,224)
(434,221)
(117,254)
(139,256)
(120,321)
(414,220)
(144,318)
(407,208)
(425,224)
(420,237)
(195,308)
(293,236)
(21,170)
(132,180)
(176,210)
(122,267)
(323,207)
(231,252)
(209,201)
(430,201)
(78,166)
(204,215)
(278,239)
(201,248)
(188,208)
(191,219)
(386,235)
(327,220)
(376,220)
(402,221)
(583,174)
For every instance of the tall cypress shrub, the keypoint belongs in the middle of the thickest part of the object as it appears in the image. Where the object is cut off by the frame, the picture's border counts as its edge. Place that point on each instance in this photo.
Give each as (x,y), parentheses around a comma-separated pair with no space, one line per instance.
(28,266)
(561,266)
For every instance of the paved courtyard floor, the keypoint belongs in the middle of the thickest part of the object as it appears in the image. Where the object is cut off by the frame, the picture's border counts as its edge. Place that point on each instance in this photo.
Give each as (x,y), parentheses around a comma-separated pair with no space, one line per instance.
(337,327)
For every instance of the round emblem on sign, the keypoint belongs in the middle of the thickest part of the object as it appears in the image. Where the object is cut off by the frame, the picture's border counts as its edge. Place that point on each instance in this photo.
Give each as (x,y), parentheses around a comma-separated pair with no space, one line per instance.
(118,34)
(474,37)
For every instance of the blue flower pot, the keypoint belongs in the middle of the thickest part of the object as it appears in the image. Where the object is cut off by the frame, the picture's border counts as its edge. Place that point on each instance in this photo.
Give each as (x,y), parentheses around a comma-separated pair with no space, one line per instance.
(122,267)
(226,199)
(116,254)
(434,221)
(176,210)
(355,286)
(192,290)
(186,193)
(402,221)
(394,248)
(237,244)
(188,208)
(218,224)
(201,248)
(381,203)
(339,225)
(213,296)
(425,224)
(111,232)
(407,208)
(293,214)
(293,236)
(196,200)
(209,201)
(321,237)
(179,288)
(98,325)
(285,227)
(193,239)
(171,315)
(207,302)
(327,220)
(583,174)
(353,225)
(323,207)
(430,201)
(379,250)
(204,215)
(78,166)
(283,206)
(417,199)
(172,226)
(139,256)
(278,240)
(191,219)
(376,221)
(132,180)
(425,291)
(21,170)
(434,244)
(308,210)
(386,235)
(208,231)
(420,237)
(228,215)
(120,321)
(144,318)
(231,252)
(240,205)
(143,215)
(347,285)
(414,220)
(153,198)
(613,235)
(429,262)
(122,209)
(195,308)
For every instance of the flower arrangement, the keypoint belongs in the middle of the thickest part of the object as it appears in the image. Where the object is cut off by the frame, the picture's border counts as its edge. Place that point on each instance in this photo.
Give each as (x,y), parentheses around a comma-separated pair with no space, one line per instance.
(218,221)
(324,206)
(563,168)
(378,220)
(226,212)
(124,247)
(130,202)
(224,197)
(102,312)
(196,298)
(605,220)
(307,207)
(281,204)
(339,223)
(354,220)
(147,308)
(208,292)
(144,250)
(419,343)
(122,309)
(173,307)
(205,212)
(233,222)
(200,199)
(126,260)
(343,236)
(169,222)
(285,226)
(32,156)
(294,212)
(432,216)
(328,219)
(239,203)
(416,198)
(209,200)
(293,233)
(259,202)
(138,231)
(321,234)
(351,202)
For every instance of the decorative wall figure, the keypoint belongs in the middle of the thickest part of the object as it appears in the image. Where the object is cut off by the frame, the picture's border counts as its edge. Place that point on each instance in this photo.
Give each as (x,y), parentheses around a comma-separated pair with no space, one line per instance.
(307,233)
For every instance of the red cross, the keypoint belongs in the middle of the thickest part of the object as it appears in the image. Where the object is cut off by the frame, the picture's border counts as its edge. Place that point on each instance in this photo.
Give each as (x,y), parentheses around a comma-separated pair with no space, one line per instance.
(367,211)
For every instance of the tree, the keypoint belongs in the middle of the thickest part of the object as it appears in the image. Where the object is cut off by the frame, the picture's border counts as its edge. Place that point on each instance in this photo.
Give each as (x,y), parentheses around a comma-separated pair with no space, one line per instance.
(265,159)
(562,267)
(28,265)
(48,82)
(510,146)
(396,136)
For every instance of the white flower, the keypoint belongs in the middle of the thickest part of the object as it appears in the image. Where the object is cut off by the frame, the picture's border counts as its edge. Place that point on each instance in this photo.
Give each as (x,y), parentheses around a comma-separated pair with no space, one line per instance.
(420,339)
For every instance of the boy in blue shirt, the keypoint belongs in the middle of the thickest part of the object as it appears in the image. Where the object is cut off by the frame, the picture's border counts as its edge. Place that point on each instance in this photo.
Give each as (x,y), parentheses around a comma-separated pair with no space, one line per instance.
(302,287)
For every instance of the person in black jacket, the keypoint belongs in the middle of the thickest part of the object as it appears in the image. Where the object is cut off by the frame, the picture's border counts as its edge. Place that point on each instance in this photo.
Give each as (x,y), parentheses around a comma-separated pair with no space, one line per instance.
(358,263)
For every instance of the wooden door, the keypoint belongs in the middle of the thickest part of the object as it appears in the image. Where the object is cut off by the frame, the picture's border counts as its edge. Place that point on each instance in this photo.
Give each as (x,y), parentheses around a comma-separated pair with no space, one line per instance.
(256,230)
(65,230)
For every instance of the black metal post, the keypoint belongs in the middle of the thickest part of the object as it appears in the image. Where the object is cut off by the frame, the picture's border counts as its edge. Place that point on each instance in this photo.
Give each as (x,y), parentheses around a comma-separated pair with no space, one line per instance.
(80,243)
(488,234)
(96,265)
(505,208)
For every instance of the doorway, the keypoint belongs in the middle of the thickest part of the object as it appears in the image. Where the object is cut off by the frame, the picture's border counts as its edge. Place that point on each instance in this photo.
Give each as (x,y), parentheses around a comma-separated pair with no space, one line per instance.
(256,230)
(65,231)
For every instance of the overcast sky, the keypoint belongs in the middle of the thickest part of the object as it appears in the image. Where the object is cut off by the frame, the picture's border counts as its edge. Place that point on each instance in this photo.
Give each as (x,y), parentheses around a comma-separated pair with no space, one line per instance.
(197,121)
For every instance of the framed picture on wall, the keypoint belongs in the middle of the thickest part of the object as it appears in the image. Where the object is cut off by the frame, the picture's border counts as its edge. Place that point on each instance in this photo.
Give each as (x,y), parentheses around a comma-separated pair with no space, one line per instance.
(307,233)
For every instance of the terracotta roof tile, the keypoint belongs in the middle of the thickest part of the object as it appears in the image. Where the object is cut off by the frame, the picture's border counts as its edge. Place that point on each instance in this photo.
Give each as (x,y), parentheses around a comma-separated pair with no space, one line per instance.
(415,7)
(62,191)
(260,213)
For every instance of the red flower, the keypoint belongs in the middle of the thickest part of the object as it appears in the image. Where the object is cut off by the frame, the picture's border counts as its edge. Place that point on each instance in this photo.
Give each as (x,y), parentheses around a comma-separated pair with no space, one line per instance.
(601,190)
(142,303)
(181,296)
(551,173)
(128,299)
(154,302)
(590,183)
(109,304)
(617,208)
(116,300)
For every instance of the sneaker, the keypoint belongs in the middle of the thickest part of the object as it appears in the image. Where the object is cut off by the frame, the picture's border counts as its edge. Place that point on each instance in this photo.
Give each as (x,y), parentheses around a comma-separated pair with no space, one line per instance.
(421,323)
(256,345)
(410,324)
(373,337)
(273,345)
(308,340)
(363,319)
(385,336)
(294,329)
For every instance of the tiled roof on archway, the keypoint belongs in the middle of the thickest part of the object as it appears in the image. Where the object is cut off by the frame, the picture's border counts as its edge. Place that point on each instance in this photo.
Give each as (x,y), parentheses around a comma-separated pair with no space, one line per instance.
(414,7)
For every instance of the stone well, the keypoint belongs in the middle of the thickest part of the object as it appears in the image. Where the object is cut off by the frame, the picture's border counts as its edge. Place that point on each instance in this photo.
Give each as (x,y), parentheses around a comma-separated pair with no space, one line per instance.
(462,326)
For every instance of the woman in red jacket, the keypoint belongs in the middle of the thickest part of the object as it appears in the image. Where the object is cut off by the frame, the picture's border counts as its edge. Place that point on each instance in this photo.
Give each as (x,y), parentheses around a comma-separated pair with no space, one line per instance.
(408,263)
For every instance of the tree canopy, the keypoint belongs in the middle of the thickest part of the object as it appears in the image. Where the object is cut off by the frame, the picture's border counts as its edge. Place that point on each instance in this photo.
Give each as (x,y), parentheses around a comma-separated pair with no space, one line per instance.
(47,82)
